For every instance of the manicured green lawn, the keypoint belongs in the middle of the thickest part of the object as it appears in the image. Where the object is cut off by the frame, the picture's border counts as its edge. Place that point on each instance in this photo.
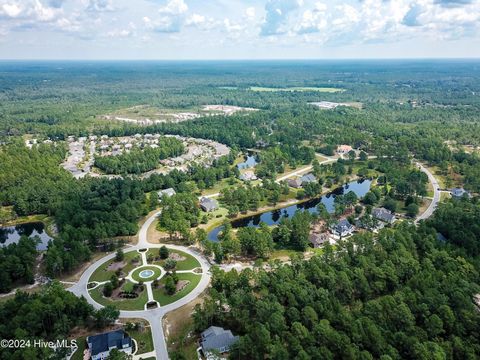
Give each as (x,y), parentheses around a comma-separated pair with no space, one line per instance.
(164,299)
(101,273)
(189,263)
(81,343)
(124,304)
(144,340)
(136,274)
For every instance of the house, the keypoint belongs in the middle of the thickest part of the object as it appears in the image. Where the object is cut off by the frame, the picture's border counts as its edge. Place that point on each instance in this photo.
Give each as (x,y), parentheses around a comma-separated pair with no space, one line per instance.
(217,339)
(100,345)
(384,215)
(459,193)
(208,204)
(308,178)
(344,149)
(295,183)
(249,163)
(248,176)
(343,228)
(318,240)
(166,192)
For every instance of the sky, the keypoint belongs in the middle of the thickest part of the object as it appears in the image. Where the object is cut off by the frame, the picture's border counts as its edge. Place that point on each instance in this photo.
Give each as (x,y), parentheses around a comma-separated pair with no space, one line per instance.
(238,29)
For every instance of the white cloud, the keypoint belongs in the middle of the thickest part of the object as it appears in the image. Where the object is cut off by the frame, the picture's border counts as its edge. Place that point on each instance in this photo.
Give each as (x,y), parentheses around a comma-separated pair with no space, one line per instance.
(276,17)
(313,20)
(174,7)
(250,13)
(11,10)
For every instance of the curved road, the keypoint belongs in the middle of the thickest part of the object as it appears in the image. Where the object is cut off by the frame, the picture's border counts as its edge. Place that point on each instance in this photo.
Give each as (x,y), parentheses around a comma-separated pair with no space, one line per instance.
(153,316)
(436,194)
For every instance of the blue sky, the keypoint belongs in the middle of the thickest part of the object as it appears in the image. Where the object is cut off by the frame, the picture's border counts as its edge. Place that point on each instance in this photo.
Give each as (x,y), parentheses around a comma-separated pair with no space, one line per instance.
(238,29)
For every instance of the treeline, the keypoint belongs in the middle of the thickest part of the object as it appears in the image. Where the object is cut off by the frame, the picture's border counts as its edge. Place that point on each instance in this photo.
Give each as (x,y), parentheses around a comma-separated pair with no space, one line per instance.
(398,295)
(459,221)
(32,180)
(49,315)
(138,161)
(245,198)
(17,263)
(179,213)
(274,159)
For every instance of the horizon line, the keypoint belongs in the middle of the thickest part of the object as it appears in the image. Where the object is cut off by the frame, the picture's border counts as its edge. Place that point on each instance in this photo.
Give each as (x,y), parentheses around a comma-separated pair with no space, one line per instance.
(238,59)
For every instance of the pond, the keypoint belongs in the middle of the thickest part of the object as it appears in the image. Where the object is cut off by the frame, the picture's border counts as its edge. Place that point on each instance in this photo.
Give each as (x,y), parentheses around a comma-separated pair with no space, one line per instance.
(360,188)
(11,234)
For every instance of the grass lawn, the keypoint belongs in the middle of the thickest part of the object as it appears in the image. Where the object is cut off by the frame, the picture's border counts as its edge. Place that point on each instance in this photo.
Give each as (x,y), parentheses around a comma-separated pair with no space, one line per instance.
(101,273)
(189,263)
(81,343)
(219,186)
(283,254)
(296,88)
(444,196)
(164,299)
(144,340)
(124,304)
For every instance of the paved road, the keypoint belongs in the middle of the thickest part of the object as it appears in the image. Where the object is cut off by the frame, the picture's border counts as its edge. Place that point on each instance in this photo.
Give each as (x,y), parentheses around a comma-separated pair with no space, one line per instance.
(153,316)
(436,194)
(289,175)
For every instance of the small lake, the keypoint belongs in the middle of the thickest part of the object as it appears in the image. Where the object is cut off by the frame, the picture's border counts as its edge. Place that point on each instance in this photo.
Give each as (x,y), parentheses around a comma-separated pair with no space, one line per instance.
(11,234)
(360,188)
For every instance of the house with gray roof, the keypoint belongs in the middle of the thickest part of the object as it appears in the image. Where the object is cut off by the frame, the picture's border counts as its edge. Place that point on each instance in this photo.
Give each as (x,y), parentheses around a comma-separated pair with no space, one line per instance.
(308,178)
(317,240)
(458,193)
(295,183)
(217,339)
(208,204)
(343,228)
(100,345)
(166,192)
(384,215)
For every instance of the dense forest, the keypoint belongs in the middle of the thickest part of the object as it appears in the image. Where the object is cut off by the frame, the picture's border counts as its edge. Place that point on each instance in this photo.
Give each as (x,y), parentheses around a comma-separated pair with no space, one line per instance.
(399,295)
(17,263)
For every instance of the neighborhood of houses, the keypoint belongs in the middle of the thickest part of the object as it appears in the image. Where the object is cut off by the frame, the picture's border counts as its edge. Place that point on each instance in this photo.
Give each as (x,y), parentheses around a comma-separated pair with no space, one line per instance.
(83,150)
